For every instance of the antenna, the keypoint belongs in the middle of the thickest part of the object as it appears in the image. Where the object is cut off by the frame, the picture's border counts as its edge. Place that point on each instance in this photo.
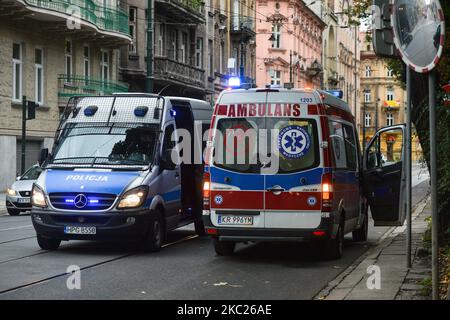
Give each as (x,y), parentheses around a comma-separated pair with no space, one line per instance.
(159,93)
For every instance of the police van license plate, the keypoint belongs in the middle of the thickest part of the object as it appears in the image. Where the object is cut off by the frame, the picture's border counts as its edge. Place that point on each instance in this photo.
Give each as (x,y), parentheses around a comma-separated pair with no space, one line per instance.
(80,230)
(235,220)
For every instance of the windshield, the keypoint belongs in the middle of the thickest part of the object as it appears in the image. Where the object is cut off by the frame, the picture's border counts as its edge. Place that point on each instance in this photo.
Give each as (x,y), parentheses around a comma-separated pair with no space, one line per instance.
(114,144)
(245,144)
(32,174)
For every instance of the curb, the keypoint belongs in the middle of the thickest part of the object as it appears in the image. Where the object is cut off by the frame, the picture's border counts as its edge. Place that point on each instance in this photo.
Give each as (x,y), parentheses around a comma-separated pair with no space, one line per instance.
(371,254)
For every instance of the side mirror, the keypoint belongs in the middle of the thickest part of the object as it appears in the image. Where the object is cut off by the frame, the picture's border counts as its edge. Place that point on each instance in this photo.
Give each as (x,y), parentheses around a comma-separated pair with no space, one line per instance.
(43,156)
(166,160)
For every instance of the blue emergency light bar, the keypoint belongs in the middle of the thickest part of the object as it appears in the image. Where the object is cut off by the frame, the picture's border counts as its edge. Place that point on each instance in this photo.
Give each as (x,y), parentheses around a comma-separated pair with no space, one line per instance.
(337,93)
(234,82)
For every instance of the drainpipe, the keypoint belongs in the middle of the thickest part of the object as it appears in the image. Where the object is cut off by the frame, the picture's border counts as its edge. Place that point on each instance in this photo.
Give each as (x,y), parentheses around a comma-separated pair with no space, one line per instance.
(150,18)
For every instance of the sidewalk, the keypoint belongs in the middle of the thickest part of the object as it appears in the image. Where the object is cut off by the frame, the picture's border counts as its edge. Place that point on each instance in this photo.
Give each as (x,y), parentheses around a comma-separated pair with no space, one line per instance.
(397,282)
(2,203)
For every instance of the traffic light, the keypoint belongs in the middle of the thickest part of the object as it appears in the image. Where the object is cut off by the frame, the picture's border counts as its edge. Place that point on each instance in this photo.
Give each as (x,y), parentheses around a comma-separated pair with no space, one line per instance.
(383,34)
(31,106)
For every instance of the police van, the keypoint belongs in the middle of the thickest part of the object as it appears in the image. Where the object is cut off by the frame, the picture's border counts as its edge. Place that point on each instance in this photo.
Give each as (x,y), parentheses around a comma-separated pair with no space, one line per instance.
(285,165)
(111,174)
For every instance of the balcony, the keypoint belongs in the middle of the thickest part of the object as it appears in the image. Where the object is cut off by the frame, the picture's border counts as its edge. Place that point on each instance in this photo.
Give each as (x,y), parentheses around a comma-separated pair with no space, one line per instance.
(179,73)
(242,25)
(79,86)
(104,23)
(181,10)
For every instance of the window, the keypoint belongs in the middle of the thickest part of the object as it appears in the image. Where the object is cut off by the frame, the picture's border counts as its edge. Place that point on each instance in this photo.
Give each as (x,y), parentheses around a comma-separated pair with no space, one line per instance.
(367,96)
(86,63)
(168,142)
(338,143)
(275,77)
(367,120)
(368,71)
(276,35)
(390,73)
(17,72)
(210,58)
(174,38)
(132,24)
(68,58)
(390,95)
(184,48)
(104,65)
(389,119)
(39,76)
(161,39)
(199,53)
(350,147)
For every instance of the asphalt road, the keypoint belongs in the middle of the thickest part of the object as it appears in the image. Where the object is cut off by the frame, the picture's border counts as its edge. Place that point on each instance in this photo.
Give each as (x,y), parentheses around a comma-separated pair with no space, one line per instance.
(186,268)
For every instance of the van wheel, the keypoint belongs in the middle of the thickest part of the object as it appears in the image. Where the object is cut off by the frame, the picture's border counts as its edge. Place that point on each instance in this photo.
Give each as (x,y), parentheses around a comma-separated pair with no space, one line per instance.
(156,233)
(13,212)
(361,233)
(48,243)
(335,247)
(199,227)
(224,248)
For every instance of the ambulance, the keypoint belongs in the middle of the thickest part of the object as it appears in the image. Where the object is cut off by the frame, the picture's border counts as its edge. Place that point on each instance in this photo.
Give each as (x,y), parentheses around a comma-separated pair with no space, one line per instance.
(111,174)
(286,165)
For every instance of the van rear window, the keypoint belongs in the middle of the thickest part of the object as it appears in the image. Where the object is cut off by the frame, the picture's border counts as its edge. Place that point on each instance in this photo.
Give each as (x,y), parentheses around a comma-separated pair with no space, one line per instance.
(246,144)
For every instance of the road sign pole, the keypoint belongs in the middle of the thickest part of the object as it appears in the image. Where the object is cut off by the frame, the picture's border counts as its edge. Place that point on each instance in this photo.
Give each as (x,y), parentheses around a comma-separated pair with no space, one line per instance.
(408,168)
(24,128)
(433,174)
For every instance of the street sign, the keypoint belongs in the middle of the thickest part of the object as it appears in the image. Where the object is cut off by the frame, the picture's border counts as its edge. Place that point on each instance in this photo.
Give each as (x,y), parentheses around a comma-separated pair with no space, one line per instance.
(31,106)
(419,28)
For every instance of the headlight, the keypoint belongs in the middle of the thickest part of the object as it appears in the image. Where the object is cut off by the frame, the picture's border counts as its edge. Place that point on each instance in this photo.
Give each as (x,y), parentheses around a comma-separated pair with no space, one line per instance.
(38,197)
(133,198)
(11,192)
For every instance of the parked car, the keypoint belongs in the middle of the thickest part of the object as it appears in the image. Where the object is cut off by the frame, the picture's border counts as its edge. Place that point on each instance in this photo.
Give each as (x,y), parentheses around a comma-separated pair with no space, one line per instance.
(18,195)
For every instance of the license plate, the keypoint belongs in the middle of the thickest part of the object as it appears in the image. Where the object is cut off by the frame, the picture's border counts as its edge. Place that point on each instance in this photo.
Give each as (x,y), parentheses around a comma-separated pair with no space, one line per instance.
(235,220)
(80,230)
(23,200)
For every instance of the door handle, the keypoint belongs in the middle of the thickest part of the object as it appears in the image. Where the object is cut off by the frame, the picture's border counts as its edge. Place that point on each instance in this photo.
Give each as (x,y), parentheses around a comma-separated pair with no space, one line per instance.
(276,190)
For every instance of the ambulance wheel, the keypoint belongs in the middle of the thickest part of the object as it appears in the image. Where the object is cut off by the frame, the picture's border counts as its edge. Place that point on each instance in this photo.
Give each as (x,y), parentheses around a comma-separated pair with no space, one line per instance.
(156,232)
(224,248)
(13,212)
(48,243)
(335,247)
(361,233)
(199,227)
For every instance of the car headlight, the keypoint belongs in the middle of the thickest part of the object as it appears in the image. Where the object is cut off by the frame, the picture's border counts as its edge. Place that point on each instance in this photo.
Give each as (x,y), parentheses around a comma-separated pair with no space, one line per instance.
(133,198)
(38,197)
(11,192)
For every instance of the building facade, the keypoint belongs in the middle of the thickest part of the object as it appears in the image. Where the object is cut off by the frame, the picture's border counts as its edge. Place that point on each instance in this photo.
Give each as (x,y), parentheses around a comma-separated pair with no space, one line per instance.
(289,44)
(51,51)
(383,100)
(193,42)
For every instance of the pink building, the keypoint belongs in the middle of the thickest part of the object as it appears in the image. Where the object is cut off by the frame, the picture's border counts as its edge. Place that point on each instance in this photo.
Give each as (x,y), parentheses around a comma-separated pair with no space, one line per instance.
(288,44)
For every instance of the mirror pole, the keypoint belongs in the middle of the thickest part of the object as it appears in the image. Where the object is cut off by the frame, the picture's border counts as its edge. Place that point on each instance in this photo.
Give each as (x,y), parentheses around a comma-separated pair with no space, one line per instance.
(408,168)
(433,174)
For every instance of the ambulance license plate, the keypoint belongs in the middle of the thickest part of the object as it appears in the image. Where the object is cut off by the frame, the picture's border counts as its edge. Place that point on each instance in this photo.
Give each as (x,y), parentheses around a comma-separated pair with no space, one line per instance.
(80,230)
(235,220)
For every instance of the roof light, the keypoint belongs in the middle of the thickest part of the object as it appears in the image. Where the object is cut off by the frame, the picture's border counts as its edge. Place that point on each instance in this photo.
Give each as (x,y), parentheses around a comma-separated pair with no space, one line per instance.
(337,93)
(234,82)
(173,113)
(90,111)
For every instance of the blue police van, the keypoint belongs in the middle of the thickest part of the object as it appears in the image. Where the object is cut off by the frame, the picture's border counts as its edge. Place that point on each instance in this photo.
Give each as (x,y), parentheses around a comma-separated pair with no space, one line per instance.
(111,175)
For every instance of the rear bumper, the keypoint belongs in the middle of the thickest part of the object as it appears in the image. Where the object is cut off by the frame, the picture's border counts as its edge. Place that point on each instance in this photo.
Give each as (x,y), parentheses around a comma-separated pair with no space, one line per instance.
(109,226)
(271,234)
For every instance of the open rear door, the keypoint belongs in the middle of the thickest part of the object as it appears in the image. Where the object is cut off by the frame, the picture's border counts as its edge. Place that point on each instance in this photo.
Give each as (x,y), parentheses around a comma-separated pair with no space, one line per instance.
(384,176)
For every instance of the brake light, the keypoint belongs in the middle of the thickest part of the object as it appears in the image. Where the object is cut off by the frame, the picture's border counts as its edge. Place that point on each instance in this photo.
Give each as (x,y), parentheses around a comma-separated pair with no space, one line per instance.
(206,191)
(327,192)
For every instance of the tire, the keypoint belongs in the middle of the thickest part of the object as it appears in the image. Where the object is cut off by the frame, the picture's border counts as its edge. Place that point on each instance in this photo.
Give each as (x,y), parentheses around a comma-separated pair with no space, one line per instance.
(335,247)
(224,248)
(13,212)
(199,228)
(360,234)
(48,243)
(156,233)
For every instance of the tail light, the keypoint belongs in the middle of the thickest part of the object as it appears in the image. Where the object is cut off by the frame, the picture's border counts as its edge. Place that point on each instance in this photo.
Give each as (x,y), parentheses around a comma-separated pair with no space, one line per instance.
(327,192)
(206,190)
